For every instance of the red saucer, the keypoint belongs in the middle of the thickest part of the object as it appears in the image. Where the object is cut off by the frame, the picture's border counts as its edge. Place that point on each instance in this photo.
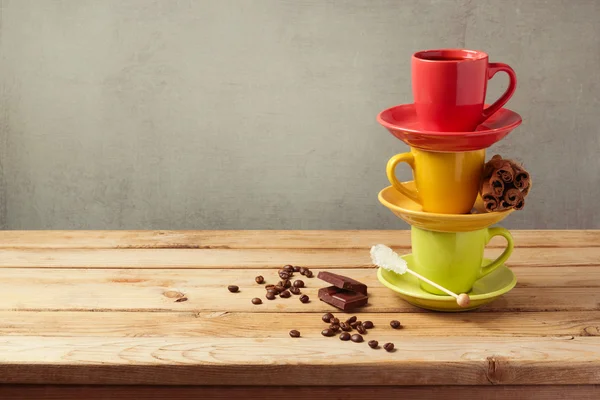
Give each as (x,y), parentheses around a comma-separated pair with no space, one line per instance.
(402,122)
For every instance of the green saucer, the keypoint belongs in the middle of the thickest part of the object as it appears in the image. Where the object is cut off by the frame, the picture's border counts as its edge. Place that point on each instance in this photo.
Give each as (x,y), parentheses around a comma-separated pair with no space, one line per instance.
(484,291)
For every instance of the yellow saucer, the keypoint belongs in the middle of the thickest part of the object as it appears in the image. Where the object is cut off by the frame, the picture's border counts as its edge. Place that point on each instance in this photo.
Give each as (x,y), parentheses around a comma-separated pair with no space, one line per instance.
(413,214)
(484,291)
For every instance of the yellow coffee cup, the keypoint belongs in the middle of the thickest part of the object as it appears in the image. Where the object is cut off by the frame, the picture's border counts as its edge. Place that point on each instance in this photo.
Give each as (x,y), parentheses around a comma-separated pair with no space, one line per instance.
(453,260)
(446,183)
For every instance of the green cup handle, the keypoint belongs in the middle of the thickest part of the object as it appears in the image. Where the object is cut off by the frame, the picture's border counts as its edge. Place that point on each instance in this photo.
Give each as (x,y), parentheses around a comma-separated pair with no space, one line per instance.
(491,232)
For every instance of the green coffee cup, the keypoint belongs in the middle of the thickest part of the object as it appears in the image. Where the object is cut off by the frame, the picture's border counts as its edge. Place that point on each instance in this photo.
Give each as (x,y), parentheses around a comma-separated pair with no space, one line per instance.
(453,260)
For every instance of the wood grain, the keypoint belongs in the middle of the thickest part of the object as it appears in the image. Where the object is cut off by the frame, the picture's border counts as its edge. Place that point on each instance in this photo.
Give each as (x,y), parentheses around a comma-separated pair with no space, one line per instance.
(206,290)
(120,392)
(269,239)
(269,325)
(259,258)
(302,361)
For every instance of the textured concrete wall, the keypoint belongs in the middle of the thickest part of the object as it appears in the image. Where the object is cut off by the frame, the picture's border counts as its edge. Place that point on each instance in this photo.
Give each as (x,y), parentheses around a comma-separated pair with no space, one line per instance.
(261,114)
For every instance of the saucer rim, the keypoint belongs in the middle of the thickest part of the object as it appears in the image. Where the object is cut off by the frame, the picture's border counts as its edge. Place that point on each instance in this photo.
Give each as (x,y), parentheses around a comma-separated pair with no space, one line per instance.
(426,133)
(448,298)
(463,217)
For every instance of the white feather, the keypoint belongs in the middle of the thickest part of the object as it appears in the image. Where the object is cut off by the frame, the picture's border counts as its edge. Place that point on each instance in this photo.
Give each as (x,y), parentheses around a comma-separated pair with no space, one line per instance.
(384,257)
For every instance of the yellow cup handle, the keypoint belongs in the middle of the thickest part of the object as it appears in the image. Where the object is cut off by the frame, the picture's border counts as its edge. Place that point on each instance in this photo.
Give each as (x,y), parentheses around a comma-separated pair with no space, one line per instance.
(391,174)
(498,231)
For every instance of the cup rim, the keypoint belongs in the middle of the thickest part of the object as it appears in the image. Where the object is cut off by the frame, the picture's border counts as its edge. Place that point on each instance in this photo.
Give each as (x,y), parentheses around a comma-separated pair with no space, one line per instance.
(476,55)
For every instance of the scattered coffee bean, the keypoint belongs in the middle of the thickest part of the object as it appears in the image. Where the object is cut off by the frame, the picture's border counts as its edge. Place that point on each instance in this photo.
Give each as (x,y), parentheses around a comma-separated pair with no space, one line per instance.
(388,346)
(356,338)
(303,271)
(361,329)
(259,279)
(395,324)
(335,321)
(355,324)
(233,288)
(296,269)
(299,283)
(294,333)
(304,298)
(351,320)
(270,296)
(295,290)
(327,317)
(334,327)
(288,268)
(327,332)
(344,336)
(285,283)
(368,325)
(373,344)
(279,288)
(256,301)
(345,327)
(269,287)
(284,274)
(285,294)
(273,291)
(309,274)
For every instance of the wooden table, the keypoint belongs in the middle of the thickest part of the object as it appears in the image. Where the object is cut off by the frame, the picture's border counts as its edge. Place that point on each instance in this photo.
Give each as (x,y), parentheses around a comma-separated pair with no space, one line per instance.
(84,315)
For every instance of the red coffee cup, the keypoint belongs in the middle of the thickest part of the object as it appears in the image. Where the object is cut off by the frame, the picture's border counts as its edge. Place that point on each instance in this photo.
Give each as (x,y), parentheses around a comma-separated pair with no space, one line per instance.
(449,87)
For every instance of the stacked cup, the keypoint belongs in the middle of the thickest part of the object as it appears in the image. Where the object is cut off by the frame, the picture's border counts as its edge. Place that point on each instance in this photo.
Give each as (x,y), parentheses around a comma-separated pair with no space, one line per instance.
(448,128)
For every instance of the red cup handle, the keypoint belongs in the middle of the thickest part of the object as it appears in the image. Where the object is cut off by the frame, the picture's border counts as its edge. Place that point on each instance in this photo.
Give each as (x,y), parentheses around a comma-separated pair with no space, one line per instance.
(512,85)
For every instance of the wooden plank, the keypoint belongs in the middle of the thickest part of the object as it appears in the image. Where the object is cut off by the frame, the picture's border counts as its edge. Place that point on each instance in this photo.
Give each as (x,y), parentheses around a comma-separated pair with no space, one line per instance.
(270,325)
(88,392)
(314,361)
(259,258)
(272,239)
(206,290)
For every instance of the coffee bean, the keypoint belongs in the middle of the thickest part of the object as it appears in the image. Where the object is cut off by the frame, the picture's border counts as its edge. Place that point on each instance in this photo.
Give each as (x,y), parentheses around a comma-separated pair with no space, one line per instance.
(356,338)
(303,271)
(388,346)
(285,283)
(295,290)
(284,274)
(368,325)
(395,324)
(294,333)
(270,296)
(345,327)
(344,336)
(361,329)
(279,288)
(233,288)
(256,301)
(355,324)
(334,327)
(288,268)
(351,320)
(259,279)
(335,321)
(309,274)
(304,298)
(285,294)
(373,344)
(273,291)
(327,317)
(296,269)
(327,332)
(299,283)
(269,287)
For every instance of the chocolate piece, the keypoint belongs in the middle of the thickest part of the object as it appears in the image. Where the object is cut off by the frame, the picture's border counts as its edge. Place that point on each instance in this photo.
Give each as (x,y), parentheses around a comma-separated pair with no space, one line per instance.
(343,282)
(342,299)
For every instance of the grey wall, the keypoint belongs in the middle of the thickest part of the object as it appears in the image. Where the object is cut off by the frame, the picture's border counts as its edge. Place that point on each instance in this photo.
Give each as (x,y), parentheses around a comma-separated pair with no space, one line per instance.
(261,114)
